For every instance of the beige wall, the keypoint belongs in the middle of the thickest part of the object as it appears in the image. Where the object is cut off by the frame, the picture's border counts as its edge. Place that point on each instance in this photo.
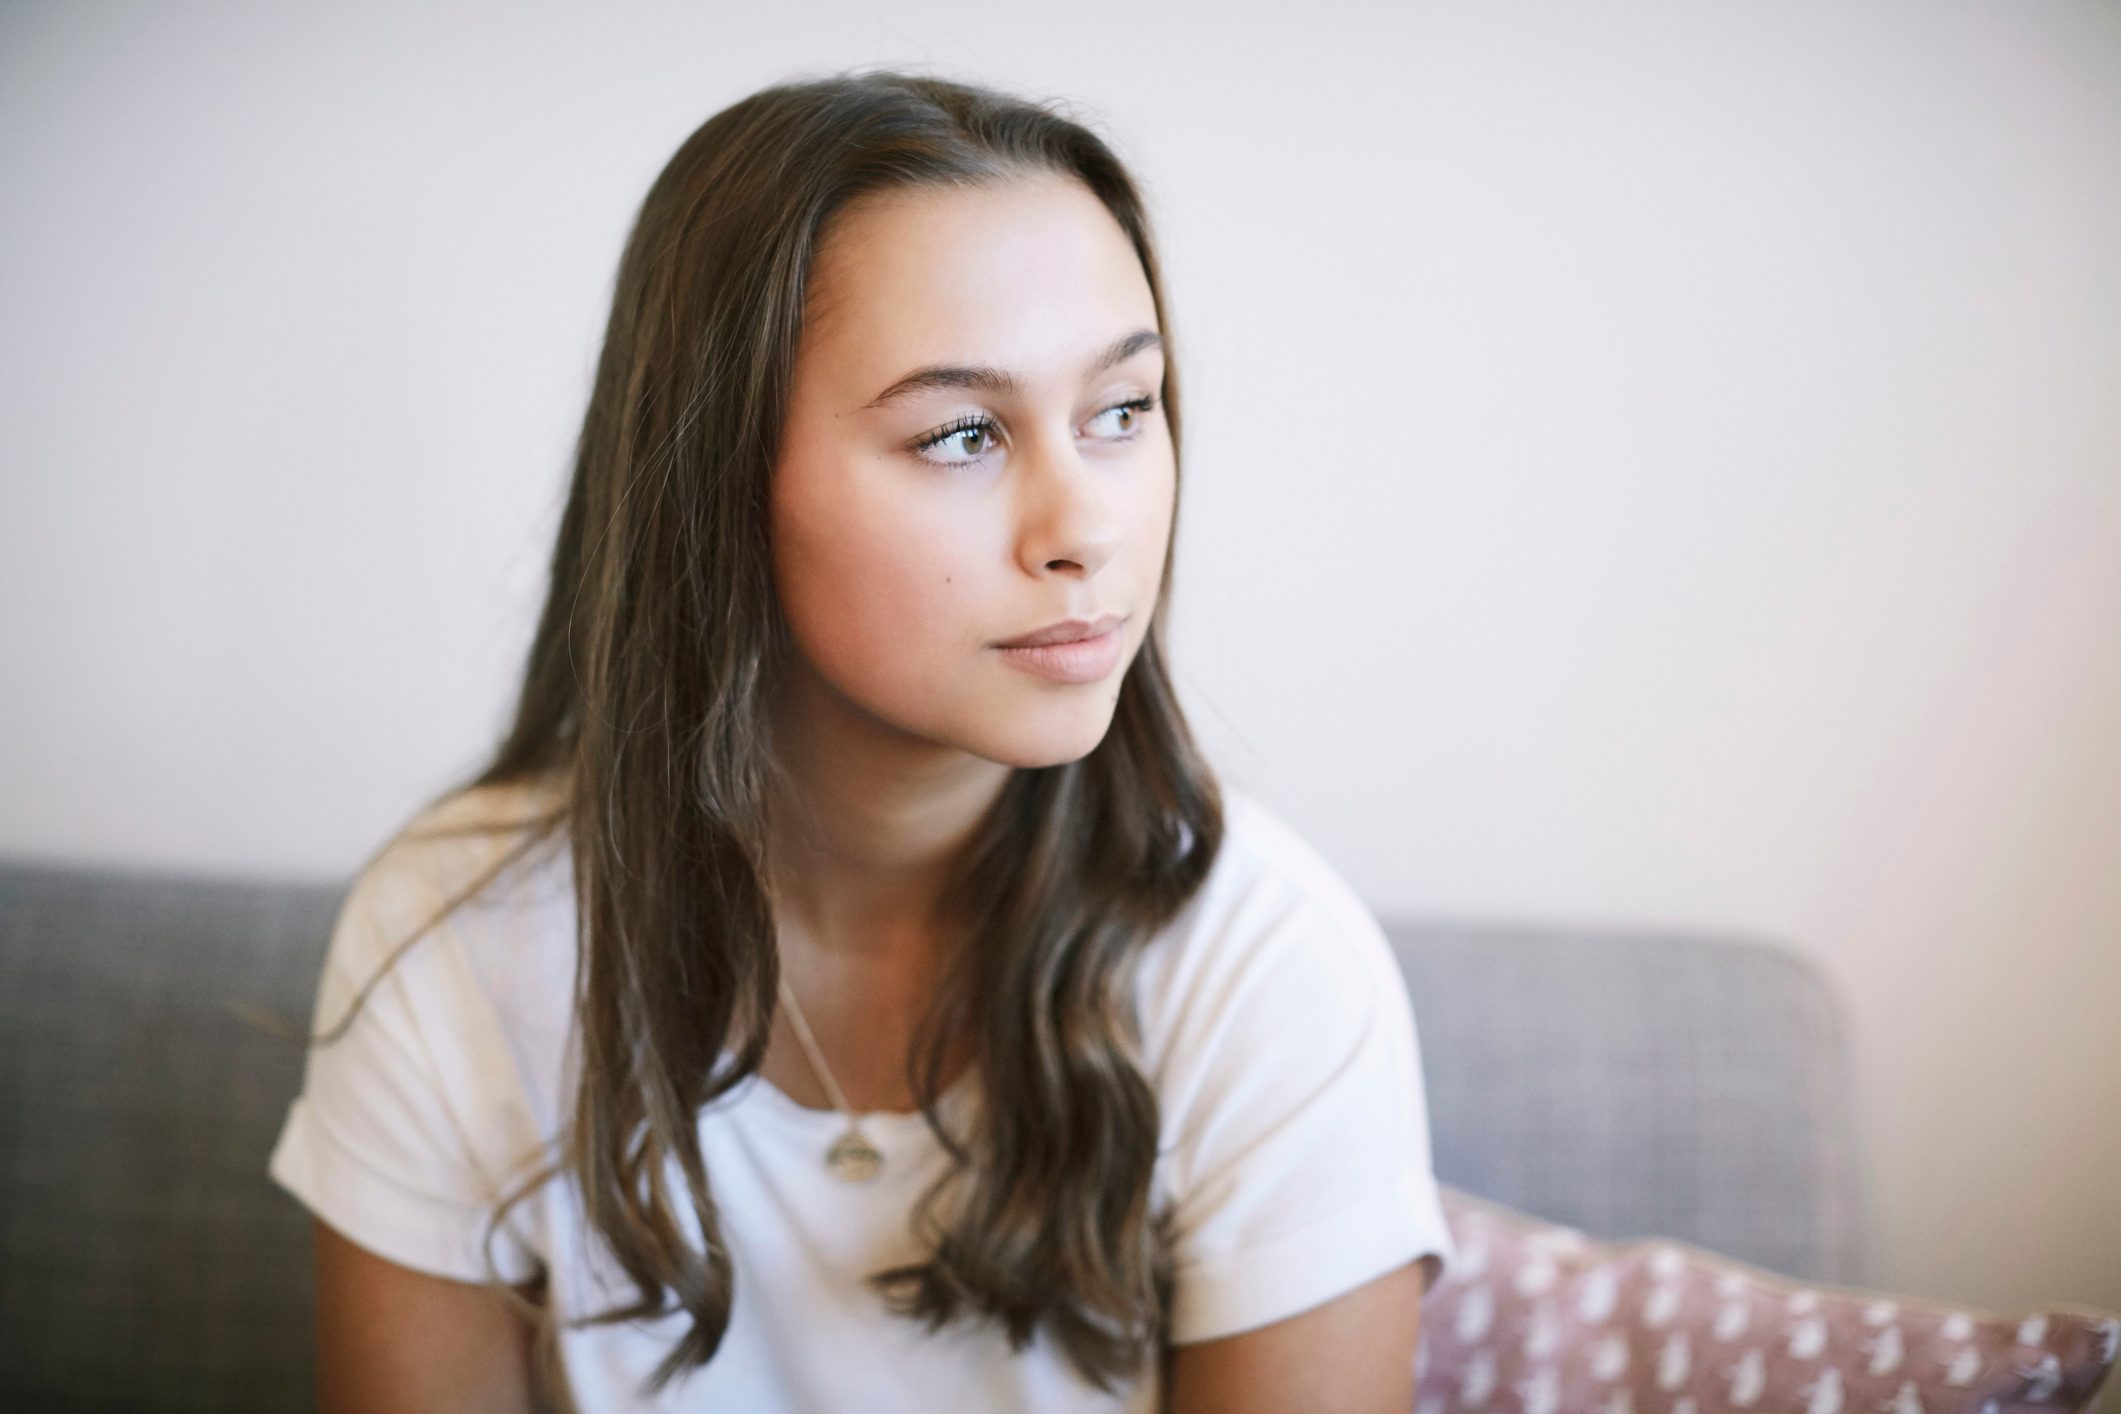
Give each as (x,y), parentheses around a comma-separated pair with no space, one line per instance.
(1646,464)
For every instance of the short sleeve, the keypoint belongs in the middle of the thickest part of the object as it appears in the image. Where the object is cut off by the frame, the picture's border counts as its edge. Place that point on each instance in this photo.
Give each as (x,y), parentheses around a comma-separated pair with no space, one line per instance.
(376,1144)
(1300,1164)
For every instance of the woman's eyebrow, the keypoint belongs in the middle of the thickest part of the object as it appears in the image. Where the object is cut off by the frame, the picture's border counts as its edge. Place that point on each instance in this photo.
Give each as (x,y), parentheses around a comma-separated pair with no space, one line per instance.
(999,380)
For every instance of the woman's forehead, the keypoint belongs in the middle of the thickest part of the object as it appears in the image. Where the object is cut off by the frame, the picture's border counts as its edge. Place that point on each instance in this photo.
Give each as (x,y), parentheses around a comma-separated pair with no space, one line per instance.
(1027,274)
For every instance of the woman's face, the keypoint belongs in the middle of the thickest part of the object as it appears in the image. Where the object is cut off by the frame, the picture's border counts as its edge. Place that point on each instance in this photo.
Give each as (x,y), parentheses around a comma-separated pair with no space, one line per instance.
(1024,478)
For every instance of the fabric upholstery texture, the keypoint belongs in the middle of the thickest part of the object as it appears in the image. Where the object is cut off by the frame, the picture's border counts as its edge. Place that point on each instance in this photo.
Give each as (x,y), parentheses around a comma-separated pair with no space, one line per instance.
(145,1260)
(1538,1317)
(1636,1081)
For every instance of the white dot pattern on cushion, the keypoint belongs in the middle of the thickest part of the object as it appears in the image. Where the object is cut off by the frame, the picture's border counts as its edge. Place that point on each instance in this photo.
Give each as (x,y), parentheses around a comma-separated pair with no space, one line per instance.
(1539,1318)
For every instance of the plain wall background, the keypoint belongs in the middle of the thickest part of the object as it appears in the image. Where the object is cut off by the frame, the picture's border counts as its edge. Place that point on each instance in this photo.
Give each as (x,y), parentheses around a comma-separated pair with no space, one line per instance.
(1646,464)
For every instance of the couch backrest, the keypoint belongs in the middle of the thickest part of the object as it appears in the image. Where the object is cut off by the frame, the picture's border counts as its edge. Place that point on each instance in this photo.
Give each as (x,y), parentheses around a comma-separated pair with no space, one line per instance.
(1639,1082)
(1623,1083)
(146,1262)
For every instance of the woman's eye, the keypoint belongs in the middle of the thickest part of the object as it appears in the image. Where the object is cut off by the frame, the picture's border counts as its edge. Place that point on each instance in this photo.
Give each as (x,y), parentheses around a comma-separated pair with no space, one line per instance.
(974,435)
(1125,418)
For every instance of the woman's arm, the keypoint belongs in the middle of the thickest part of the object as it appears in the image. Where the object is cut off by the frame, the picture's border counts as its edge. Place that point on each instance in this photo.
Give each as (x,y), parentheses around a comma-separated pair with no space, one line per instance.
(1351,1355)
(392,1338)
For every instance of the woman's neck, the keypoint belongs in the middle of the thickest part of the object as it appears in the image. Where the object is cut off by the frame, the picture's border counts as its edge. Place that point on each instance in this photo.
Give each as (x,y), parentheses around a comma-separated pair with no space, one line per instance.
(868,826)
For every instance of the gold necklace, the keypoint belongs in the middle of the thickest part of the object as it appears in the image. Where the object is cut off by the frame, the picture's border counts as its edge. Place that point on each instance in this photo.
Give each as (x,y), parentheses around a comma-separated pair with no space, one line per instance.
(852,1158)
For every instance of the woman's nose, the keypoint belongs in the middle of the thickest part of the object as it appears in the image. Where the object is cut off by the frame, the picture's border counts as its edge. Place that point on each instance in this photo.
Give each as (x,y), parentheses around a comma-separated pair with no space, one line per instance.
(1068,510)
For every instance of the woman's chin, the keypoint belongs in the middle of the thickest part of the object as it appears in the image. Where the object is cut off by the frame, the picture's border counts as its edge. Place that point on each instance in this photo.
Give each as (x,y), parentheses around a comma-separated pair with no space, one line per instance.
(1050,742)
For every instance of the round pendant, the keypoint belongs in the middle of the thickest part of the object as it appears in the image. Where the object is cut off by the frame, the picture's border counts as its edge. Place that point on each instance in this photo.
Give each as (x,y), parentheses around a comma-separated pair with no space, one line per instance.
(853,1159)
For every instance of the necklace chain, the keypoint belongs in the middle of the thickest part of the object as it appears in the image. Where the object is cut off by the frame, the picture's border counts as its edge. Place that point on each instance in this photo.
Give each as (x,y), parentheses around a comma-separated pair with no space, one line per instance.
(817,1056)
(852,1157)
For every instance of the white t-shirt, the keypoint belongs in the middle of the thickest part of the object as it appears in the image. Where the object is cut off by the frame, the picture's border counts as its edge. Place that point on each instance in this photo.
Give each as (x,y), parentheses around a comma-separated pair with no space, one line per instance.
(1276,1030)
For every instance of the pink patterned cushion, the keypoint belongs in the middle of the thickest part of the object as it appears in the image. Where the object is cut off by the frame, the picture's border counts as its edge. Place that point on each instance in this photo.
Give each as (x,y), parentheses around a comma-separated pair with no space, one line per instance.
(1537,1318)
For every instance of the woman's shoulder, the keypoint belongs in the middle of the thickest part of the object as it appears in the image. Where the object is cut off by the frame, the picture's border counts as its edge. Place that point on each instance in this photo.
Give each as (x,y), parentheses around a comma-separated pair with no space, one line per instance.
(1293,1154)
(468,903)
(1275,926)
(440,1020)
(1267,871)
(1265,853)
(477,845)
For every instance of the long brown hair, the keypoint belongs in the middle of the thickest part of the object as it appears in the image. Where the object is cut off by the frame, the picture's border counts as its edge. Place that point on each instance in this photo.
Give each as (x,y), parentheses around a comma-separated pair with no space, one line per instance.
(643,708)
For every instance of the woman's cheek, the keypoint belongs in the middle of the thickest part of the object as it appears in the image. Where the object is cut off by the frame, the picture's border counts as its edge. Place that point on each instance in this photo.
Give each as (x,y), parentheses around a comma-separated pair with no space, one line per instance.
(908,595)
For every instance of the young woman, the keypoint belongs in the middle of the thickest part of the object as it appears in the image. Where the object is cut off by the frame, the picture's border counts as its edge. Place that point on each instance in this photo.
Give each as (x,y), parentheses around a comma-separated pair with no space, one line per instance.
(847,987)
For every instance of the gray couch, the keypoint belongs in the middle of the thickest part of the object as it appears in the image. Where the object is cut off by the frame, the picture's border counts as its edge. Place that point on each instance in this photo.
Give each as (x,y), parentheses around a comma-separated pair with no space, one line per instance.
(1627,1083)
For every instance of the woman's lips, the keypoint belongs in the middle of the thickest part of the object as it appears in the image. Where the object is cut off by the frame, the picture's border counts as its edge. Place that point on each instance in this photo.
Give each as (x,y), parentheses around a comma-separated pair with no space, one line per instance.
(1085,660)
